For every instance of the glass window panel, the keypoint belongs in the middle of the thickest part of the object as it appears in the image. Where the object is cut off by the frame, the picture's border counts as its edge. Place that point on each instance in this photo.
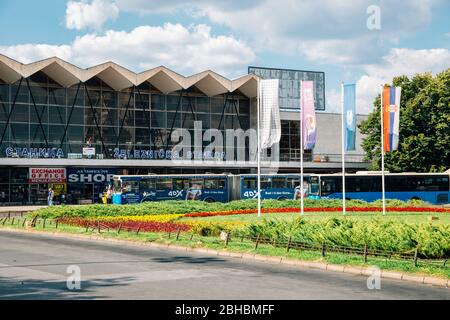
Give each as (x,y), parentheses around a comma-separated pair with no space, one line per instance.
(75,134)
(203,104)
(20,113)
(58,96)
(142,101)
(110,117)
(4,111)
(173,120)
(158,119)
(142,118)
(4,92)
(215,121)
(39,94)
(205,119)
(23,96)
(126,117)
(4,175)
(217,105)
(127,135)
(57,115)
(158,137)
(55,133)
(77,116)
(19,175)
(158,102)
(73,96)
(172,102)
(109,135)
(20,132)
(38,133)
(142,136)
(40,112)
(244,106)
(110,99)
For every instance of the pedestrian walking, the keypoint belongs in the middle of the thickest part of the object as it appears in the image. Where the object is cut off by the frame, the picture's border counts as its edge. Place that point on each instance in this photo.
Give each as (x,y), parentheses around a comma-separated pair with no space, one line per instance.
(109,195)
(3,197)
(24,196)
(50,196)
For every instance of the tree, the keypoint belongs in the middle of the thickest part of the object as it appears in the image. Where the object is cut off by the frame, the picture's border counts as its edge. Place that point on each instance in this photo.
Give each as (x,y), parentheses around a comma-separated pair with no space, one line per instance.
(424,126)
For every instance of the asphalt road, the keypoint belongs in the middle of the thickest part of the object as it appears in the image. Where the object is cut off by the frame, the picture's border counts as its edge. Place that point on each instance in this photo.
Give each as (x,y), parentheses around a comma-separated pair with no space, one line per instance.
(35,267)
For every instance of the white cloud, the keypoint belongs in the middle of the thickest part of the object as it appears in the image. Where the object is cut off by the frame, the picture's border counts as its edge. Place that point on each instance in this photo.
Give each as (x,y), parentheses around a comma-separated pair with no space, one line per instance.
(324,31)
(80,15)
(186,50)
(399,61)
(27,53)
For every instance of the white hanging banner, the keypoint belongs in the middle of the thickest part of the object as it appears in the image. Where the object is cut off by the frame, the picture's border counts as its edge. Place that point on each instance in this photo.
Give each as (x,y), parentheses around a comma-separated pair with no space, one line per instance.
(270,130)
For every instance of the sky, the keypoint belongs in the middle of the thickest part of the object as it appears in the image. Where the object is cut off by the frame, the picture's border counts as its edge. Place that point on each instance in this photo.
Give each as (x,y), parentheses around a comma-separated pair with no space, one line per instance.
(366,42)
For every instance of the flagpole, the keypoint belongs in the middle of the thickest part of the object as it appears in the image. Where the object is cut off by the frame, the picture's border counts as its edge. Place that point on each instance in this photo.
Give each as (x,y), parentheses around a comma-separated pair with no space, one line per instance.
(302,211)
(258,148)
(343,150)
(382,152)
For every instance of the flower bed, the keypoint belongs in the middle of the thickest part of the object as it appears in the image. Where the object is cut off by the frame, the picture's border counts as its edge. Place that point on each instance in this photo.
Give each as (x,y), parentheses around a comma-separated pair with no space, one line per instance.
(308,209)
(144,226)
(143,218)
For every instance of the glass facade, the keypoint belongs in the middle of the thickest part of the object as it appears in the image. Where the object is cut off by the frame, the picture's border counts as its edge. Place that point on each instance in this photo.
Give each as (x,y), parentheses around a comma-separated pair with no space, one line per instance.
(37,113)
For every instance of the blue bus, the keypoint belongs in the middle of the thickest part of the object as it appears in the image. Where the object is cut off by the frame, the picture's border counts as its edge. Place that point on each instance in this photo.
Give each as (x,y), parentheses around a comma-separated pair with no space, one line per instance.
(278,186)
(128,189)
(430,187)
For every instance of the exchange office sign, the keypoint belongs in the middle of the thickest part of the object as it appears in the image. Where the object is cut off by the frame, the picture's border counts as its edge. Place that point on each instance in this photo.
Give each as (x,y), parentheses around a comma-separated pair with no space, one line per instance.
(88,175)
(47,175)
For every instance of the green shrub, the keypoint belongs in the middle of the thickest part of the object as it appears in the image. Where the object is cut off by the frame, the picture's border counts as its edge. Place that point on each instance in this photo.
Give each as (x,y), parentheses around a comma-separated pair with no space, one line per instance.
(182,207)
(432,241)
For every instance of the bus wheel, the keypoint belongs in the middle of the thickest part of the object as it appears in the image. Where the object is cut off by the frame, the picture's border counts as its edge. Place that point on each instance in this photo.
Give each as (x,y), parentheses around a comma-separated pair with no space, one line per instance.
(282,198)
(209,200)
(415,198)
(347,199)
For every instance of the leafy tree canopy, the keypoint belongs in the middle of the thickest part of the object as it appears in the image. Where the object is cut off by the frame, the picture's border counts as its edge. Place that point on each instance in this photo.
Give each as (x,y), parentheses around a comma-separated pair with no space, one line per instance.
(424,126)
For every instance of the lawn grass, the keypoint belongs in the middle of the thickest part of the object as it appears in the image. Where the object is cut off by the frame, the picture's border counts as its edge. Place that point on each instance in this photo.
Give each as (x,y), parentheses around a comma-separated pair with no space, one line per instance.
(410,217)
(246,246)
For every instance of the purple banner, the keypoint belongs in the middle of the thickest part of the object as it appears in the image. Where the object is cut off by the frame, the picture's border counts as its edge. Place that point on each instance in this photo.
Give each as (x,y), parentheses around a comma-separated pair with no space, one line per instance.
(308,114)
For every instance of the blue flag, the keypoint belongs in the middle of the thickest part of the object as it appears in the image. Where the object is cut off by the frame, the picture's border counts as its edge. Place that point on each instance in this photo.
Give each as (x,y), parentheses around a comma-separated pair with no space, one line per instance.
(350,115)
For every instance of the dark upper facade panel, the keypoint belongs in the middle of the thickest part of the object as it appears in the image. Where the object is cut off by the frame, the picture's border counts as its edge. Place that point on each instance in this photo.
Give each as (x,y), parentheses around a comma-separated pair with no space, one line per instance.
(38,113)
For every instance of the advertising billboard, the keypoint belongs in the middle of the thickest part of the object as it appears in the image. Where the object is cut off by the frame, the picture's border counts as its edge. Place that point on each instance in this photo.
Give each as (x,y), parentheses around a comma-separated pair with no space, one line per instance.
(289,89)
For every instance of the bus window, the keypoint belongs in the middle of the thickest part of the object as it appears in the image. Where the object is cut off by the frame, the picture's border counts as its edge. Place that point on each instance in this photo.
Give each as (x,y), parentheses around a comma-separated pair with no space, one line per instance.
(266,183)
(130,186)
(331,185)
(214,184)
(164,184)
(180,184)
(250,183)
(196,183)
(147,184)
(279,183)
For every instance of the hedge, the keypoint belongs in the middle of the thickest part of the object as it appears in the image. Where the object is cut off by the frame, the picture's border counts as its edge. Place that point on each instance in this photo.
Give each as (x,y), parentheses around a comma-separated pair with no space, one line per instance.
(183,207)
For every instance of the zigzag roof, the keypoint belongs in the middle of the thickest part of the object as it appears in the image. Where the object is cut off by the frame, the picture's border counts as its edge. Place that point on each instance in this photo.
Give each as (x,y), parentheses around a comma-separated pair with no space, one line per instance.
(119,78)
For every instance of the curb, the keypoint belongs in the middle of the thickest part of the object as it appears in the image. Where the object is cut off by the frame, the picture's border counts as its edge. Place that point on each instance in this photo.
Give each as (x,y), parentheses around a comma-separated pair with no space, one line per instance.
(355,270)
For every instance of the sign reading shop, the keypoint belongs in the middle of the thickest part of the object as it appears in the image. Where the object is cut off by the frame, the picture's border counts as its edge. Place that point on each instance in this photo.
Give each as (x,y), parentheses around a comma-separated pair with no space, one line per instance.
(17,152)
(87,175)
